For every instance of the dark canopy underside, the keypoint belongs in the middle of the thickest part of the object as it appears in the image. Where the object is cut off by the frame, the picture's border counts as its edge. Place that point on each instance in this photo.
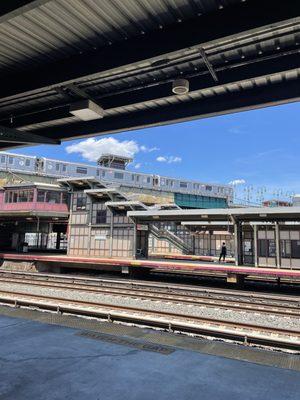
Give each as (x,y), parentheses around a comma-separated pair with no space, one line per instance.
(125,54)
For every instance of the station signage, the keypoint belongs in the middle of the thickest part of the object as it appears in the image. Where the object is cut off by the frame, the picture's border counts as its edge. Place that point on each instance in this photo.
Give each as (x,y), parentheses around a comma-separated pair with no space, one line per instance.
(100,237)
(142,227)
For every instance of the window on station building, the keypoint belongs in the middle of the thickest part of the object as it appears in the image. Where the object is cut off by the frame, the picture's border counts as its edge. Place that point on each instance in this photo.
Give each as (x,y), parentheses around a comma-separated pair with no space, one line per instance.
(285,248)
(118,175)
(101,217)
(64,198)
(183,185)
(25,196)
(267,248)
(81,170)
(295,247)
(41,194)
(52,197)
(81,203)
(19,196)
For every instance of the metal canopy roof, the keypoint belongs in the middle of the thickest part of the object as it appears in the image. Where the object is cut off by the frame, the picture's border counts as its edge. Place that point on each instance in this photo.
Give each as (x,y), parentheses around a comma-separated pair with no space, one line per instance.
(220,214)
(125,54)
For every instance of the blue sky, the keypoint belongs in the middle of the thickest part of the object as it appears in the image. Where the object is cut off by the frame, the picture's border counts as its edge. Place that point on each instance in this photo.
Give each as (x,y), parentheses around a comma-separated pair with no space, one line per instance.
(260,147)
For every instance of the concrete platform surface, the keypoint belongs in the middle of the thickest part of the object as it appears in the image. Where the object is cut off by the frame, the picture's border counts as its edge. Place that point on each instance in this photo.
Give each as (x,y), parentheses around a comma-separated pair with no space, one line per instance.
(47,361)
(167,265)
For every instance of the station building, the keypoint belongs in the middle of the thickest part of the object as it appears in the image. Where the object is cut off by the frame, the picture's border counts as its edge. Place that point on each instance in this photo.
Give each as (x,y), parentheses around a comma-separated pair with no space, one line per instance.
(35,215)
(96,206)
(92,217)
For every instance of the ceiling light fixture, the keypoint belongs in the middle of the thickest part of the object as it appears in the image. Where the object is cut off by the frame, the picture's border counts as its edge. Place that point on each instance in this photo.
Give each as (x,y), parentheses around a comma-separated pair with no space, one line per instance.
(180,86)
(86,110)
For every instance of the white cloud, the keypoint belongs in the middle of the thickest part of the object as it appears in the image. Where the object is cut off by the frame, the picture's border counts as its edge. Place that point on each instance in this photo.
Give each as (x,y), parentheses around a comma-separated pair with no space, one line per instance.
(91,148)
(236,182)
(169,159)
(137,165)
(148,149)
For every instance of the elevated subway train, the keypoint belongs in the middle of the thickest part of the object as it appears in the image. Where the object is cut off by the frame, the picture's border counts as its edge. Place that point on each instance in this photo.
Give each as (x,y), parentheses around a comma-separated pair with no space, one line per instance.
(18,163)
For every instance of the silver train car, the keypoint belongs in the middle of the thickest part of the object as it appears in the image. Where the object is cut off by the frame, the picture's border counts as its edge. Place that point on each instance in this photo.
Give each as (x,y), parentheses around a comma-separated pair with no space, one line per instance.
(61,169)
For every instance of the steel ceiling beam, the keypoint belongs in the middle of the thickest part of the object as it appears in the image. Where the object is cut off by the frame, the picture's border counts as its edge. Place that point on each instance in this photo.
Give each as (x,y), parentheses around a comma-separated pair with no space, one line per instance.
(13,8)
(263,96)
(232,74)
(9,135)
(197,32)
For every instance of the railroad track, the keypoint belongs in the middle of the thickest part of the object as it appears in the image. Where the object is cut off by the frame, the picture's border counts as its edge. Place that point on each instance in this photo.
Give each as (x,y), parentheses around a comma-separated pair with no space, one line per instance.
(284,306)
(247,333)
(263,304)
(275,308)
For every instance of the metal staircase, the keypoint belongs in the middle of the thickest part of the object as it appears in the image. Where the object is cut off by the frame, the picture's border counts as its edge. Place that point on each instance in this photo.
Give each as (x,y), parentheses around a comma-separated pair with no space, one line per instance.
(164,234)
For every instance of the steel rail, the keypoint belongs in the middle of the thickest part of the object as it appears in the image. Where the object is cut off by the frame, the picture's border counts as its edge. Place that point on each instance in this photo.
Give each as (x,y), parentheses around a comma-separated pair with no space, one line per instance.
(207,301)
(247,333)
(144,285)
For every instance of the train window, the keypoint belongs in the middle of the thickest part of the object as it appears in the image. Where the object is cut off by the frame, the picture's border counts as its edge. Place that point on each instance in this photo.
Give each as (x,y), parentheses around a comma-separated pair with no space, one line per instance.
(132,177)
(137,178)
(118,175)
(183,185)
(97,172)
(103,174)
(3,159)
(10,160)
(64,168)
(27,162)
(209,188)
(148,179)
(101,217)
(57,167)
(81,170)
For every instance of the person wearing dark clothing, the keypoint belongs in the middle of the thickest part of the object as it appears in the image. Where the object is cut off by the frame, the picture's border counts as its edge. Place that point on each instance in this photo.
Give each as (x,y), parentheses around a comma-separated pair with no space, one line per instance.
(223,252)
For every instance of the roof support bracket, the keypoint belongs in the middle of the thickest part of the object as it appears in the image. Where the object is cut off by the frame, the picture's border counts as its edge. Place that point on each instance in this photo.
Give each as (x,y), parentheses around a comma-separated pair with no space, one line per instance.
(15,136)
(208,64)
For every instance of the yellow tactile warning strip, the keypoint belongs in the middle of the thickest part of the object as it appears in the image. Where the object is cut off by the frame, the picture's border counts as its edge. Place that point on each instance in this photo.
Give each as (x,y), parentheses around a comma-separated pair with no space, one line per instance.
(150,336)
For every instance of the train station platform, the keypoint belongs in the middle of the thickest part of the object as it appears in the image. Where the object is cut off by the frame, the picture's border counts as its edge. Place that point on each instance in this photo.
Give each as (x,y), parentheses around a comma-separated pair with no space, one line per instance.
(49,356)
(128,265)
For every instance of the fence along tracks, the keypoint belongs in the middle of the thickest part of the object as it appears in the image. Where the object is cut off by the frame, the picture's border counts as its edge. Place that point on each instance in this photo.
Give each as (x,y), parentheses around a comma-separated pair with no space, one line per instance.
(287,306)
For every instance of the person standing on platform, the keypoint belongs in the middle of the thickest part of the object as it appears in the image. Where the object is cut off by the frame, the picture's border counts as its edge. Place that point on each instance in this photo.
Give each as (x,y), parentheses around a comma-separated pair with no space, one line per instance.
(223,252)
